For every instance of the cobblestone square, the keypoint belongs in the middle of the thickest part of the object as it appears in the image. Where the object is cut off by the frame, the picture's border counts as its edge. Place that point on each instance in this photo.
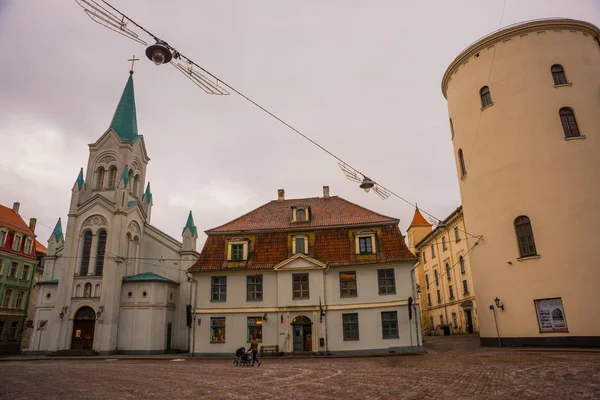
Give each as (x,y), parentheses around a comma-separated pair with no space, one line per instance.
(454,367)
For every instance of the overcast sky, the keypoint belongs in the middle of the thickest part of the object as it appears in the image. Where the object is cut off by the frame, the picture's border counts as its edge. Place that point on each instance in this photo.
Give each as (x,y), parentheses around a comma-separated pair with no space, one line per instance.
(360,77)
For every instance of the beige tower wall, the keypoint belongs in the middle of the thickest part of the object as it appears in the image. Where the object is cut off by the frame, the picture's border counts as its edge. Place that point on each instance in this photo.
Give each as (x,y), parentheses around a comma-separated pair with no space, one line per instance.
(518,162)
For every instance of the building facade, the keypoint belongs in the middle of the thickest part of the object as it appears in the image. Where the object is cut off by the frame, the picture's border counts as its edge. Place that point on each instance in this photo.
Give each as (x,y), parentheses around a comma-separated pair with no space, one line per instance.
(319,275)
(523,105)
(446,289)
(114,283)
(40,254)
(17,265)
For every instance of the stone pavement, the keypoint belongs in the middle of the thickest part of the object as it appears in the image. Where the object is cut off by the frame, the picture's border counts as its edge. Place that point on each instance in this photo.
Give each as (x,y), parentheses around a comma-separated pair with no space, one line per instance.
(455,367)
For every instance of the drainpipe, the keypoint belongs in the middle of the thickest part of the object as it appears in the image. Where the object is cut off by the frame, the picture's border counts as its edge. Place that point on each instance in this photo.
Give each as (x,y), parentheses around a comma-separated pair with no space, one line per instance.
(325,308)
(414,292)
(193,289)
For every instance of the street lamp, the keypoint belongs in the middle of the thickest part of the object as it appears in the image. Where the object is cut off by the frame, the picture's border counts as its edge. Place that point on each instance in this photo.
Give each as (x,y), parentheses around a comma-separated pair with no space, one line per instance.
(100,311)
(367,184)
(159,53)
(62,312)
(499,303)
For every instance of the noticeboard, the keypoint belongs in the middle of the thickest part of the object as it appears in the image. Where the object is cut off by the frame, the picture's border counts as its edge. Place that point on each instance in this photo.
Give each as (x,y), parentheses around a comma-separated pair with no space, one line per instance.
(551,315)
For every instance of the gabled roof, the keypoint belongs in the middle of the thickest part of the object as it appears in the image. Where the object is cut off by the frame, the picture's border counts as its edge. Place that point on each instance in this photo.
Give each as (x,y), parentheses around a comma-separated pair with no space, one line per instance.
(440,226)
(12,220)
(147,277)
(40,248)
(418,219)
(124,122)
(277,214)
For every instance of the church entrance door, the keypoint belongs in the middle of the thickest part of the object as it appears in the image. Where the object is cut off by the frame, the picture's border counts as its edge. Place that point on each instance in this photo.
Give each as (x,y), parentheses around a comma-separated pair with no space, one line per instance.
(302,328)
(84,324)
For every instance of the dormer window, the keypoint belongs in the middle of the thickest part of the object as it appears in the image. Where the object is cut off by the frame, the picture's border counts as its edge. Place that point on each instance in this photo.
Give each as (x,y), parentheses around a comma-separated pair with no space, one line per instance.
(300,244)
(28,245)
(17,242)
(301,214)
(237,249)
(365,242)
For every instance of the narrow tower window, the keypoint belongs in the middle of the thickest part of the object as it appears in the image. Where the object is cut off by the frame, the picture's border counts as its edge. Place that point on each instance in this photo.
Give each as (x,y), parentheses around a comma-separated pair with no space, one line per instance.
(112,177)
(558,74)
(451,128)
(100,178)
(567,117)
(525,236)
(461,160)
(486,97)
(85,256)
(136,185)
(100,253)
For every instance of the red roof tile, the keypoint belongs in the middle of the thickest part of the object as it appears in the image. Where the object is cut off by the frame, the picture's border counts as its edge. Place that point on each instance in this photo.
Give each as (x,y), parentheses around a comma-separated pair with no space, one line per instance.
(333,222)
(40,248)
(12,220)
(331,211)
(419,220)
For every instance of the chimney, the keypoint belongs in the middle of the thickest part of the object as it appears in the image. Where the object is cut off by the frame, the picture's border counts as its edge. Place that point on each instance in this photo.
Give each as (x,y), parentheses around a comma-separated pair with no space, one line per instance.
(16,206)
(280,195)
(32,222)
(325,192)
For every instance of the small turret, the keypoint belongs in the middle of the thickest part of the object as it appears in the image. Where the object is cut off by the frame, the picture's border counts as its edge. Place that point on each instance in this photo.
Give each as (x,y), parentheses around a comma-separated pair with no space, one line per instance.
(418,229)
(190,234)
(147,201)
(56,239)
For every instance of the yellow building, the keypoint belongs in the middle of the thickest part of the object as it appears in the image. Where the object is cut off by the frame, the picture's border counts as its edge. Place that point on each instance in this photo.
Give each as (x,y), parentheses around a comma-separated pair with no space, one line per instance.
(524,113)
(446,292)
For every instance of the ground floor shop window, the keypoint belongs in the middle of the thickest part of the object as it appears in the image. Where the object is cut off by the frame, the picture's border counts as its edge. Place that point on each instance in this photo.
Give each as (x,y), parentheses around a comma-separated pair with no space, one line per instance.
(389,324)
(551,315)
(217,330)
(255,328)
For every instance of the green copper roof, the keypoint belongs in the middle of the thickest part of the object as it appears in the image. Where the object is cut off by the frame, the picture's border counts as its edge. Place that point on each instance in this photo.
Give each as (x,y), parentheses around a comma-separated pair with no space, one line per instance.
(147,194)
(124,121)
(80,179)
(131,203)
(147,276)
(126,176)
(57,232)
(190,224)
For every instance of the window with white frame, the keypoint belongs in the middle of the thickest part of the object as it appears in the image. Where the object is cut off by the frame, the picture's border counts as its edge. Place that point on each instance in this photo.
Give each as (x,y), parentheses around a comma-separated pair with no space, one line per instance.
(350,326)
(389,324)
(218,288)
(217,330)
(25,272)
(365,242)
(386,280)
(19,300)
(237,249)
(300,244)
(456,234)
(28,245)
(1,266)
(300,288)
(348,284)
(17,242)
(301,214)
(6,298)
(3,235)
(254,289)
(12,272)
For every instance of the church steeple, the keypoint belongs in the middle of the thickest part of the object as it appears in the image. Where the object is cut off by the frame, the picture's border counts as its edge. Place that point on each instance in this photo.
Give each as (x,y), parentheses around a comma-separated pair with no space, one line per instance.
(124,122)
(190,225)
(57,233)
(80,180)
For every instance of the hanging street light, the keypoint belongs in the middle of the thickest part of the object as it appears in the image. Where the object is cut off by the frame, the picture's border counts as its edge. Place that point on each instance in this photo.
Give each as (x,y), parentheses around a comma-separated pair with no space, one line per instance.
(159,53)
(367,184)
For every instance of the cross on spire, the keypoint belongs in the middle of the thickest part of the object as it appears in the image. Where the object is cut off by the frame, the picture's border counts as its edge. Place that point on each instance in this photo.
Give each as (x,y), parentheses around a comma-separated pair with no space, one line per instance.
(133,60)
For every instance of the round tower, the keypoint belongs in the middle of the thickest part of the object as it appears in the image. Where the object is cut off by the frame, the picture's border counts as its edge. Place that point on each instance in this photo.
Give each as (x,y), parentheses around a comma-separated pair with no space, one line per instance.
(524,113)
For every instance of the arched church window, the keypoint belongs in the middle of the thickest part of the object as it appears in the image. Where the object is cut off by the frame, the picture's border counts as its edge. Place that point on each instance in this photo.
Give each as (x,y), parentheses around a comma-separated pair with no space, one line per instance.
(112,177)
(85,255)
(78,291)
(97,291)
(100,178)
(100,253)
(136,185)
(136,249)
(87,290)
(127,255)
(461,160)
(130,181)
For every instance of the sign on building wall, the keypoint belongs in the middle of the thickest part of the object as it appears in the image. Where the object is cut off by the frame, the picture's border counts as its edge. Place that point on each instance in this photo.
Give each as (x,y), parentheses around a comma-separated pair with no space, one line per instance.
(551,315)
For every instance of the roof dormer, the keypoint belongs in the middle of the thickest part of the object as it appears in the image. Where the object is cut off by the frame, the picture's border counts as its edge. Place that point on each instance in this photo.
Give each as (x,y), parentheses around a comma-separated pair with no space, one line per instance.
(301,213)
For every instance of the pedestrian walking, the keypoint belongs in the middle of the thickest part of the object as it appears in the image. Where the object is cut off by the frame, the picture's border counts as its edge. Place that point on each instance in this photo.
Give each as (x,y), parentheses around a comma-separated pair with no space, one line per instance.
(254,349)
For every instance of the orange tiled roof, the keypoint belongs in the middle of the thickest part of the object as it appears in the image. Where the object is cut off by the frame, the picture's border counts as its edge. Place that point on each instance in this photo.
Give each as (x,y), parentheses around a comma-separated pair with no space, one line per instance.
(331,211)
(12,220)
(40,248)
(419,220)
(333,220)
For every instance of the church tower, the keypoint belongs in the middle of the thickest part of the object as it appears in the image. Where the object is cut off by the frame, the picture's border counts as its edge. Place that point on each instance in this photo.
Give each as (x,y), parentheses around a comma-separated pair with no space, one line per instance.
(113,275)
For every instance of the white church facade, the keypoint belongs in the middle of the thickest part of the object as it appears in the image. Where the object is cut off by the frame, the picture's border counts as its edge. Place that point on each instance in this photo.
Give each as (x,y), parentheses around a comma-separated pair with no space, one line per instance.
(114,283)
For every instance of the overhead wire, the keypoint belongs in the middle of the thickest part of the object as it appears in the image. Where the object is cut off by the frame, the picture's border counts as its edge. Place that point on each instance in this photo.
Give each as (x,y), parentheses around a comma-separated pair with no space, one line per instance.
(247,98)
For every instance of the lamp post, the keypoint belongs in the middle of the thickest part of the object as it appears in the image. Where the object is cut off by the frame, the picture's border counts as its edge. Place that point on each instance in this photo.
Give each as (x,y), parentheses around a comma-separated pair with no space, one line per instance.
(499,303)
(159,53)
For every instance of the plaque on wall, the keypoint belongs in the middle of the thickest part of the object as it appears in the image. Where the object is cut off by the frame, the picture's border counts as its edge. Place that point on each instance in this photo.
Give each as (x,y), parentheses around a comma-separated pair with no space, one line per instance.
(551,315)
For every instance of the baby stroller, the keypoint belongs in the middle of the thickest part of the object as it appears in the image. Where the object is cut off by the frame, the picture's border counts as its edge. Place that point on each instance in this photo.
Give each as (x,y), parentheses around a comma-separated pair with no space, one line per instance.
(243,359)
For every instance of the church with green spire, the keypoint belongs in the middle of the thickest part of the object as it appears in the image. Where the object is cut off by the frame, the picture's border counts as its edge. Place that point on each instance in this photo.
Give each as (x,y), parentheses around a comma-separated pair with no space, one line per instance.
(113,282)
